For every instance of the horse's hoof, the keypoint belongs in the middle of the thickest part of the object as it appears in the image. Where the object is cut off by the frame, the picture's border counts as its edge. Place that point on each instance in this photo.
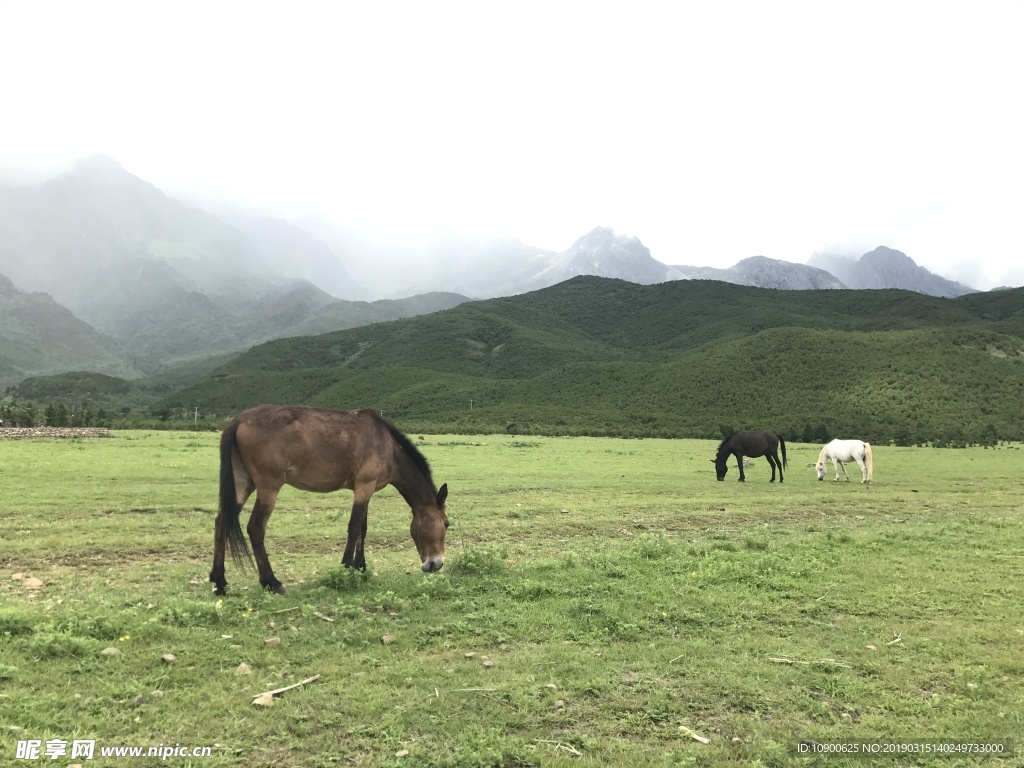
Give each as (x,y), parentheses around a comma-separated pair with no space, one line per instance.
(279,589)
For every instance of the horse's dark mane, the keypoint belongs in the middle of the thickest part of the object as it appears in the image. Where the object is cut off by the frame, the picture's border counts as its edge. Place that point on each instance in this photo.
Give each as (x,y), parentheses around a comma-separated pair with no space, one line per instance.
(410,450)
(721,446)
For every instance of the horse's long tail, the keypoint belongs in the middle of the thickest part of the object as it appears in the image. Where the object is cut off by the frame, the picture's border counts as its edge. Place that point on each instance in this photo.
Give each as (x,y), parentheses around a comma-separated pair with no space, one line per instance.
(230,509)
(867,459)
(782,445)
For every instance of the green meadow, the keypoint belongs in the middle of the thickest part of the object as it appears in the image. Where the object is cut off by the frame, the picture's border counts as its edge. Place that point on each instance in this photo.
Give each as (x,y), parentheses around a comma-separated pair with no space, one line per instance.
(603,602)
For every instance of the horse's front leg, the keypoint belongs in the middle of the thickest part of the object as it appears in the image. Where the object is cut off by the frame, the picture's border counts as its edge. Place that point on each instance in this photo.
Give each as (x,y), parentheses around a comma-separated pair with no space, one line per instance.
(739,463)
(842,466)
(354,557)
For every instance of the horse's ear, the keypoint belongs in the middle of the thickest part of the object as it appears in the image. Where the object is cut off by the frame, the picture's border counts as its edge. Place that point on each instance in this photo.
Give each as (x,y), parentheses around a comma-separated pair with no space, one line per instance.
(442,495)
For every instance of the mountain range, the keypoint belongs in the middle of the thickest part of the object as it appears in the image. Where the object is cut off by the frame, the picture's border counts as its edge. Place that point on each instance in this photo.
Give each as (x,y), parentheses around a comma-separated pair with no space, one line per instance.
(102,271)
(681,358)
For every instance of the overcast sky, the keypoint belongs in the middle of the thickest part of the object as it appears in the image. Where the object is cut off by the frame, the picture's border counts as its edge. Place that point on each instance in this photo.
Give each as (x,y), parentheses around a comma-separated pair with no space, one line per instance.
(713,131)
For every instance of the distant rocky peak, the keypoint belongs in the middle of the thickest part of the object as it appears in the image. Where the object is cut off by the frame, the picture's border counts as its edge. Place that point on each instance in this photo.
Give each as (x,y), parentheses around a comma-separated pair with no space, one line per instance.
(7,287)
(100,186)
(773,273)
(885,255)
(97,173)
(886,267)
(604,253)
(605,237)
(98,164)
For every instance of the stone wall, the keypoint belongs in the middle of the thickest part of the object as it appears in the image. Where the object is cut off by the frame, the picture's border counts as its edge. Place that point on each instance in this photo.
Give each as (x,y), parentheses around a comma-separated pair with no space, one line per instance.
(13,433)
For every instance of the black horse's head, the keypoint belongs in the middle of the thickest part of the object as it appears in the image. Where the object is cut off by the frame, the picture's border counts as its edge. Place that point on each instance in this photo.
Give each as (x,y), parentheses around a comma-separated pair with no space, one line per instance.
(720,467)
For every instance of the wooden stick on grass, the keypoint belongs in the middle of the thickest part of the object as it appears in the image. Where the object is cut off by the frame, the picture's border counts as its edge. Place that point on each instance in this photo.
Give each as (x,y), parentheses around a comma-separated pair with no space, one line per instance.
(560,745)
(694,735)
(278,691)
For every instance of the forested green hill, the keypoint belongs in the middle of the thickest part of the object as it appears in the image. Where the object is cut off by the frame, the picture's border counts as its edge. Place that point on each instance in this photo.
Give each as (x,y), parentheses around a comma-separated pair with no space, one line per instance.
(598,356)
(597,319)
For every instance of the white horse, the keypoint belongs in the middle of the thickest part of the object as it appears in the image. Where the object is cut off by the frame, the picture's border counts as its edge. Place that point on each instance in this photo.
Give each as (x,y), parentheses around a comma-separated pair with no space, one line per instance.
(846,450)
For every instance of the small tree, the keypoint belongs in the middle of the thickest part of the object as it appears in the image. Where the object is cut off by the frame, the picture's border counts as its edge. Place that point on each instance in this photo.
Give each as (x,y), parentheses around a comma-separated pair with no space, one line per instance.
(989,436)
(903,437)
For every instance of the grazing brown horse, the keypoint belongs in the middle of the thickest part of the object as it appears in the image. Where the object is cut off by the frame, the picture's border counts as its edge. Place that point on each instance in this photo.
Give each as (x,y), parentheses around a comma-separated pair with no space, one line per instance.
(740,444)
(317,449)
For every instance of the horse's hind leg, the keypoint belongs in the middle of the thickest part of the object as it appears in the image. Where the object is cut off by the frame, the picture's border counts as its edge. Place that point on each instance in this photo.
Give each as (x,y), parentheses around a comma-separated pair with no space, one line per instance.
(863,469)
(220,582)
(243,489)
(257,529)
(773,462)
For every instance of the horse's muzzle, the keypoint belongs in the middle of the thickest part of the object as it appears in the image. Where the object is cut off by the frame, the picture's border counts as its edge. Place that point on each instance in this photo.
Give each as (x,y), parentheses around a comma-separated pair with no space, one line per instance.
(432,564)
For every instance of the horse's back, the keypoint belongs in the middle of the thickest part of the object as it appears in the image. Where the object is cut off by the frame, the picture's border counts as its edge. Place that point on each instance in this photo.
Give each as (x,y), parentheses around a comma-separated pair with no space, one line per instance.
(753,443)
(847,450)
(315,449)
(323,424)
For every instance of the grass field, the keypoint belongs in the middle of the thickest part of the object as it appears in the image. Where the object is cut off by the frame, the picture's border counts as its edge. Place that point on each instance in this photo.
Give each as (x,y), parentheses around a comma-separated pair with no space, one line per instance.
(602,602)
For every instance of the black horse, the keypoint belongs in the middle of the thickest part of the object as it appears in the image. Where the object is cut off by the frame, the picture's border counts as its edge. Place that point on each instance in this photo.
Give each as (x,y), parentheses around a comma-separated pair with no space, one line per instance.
(741,444)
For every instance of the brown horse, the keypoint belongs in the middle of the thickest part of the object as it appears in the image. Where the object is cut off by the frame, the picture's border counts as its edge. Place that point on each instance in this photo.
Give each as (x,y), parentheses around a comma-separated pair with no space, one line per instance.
(317,449)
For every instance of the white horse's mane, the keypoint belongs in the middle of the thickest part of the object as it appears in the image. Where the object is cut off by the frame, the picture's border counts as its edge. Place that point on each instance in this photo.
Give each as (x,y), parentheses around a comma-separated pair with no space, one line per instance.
(822,457)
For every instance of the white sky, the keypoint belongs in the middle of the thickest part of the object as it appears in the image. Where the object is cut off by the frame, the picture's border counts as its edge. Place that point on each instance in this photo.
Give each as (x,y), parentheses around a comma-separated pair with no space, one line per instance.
(713,131)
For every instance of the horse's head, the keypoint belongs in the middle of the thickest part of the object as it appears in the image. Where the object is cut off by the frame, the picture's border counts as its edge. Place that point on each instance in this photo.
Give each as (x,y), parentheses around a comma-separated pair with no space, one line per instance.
(720,468)
(429,523)
(820,469)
